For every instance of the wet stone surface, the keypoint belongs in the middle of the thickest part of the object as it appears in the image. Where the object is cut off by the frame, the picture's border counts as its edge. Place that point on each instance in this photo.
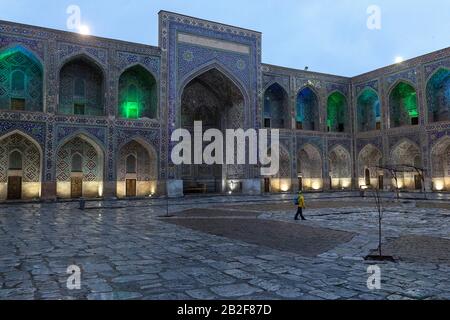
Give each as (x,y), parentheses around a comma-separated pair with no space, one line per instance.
(133,253)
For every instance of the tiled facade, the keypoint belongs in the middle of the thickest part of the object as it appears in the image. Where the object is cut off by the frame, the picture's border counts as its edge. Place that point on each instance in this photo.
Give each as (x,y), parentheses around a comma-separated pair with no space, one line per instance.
(84,119)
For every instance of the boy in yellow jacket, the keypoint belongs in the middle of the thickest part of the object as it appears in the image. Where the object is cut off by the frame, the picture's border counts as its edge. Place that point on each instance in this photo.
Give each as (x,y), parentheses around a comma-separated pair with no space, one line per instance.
(301,206)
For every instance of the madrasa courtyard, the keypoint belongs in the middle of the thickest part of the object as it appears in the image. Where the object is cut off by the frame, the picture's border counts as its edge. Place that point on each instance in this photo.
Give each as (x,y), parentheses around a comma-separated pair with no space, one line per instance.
(92,205)
(225,248)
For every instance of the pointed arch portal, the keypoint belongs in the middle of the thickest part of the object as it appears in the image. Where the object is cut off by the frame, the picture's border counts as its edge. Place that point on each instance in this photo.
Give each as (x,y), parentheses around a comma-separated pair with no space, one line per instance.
(21,170)
(309,168)
(216,100)
(340,166)
(276,108)
(368,111)
(81,87)
(403,105)
(138,97)
(21,80)
(440,165)
(79,168)
(137,170)
(307,110)
(438,96)
(408,153)
(369,159)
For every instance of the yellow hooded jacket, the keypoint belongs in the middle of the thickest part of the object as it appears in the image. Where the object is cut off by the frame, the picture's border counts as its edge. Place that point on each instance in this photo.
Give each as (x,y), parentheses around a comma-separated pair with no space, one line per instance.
(301,201)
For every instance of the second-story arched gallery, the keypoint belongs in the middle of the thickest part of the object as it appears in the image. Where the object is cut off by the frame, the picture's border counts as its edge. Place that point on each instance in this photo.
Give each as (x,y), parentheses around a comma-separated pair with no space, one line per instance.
(82,116)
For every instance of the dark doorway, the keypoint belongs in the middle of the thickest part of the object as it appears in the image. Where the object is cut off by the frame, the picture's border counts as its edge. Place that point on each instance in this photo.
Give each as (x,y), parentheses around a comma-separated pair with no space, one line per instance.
(131,188)
(266,185)
(76,187)
(418,182)
(380,182)
(300,184)
(14,188)
(367,177)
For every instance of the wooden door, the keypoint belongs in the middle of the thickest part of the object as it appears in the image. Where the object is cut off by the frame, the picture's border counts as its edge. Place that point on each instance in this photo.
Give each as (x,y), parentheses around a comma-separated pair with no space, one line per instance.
(367,177)
(14,188)
(266,185)
(418,182)
(300,184)
(76,188)
(380,182)
(131,188)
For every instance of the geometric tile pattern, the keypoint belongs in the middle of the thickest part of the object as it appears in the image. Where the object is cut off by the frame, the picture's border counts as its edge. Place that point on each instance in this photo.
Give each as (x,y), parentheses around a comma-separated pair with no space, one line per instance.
(146,162)
(92,169)
(31,166)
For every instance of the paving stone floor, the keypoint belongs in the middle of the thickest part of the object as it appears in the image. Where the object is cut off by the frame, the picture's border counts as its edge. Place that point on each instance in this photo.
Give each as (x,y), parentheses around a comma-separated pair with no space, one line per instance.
(133,253)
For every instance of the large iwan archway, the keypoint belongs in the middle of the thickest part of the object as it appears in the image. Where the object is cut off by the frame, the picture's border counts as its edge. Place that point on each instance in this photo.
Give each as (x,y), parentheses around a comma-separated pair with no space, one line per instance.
(213,98)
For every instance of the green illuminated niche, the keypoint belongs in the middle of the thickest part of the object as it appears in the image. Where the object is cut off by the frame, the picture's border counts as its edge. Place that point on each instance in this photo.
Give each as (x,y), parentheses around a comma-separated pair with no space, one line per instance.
(20,80)
(131,110)
(336,111)
(404,99)
(137,94)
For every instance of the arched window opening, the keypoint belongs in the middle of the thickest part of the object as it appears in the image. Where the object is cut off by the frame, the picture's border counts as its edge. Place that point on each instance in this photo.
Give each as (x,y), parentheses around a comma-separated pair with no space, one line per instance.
(131,164)
(336,112)
(138,95)
(21,80)
(403,106)
(81,88)
(15,161)
(368,111)
(276,111)
(77,163)
(307,110)
(17,81)
(438,96)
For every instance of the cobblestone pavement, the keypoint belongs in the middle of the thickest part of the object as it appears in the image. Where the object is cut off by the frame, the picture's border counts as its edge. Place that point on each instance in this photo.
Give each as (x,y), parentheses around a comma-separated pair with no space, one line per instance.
(133,253)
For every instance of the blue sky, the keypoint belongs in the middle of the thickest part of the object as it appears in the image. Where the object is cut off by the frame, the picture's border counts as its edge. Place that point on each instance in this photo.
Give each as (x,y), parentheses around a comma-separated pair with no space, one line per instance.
(329,36)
